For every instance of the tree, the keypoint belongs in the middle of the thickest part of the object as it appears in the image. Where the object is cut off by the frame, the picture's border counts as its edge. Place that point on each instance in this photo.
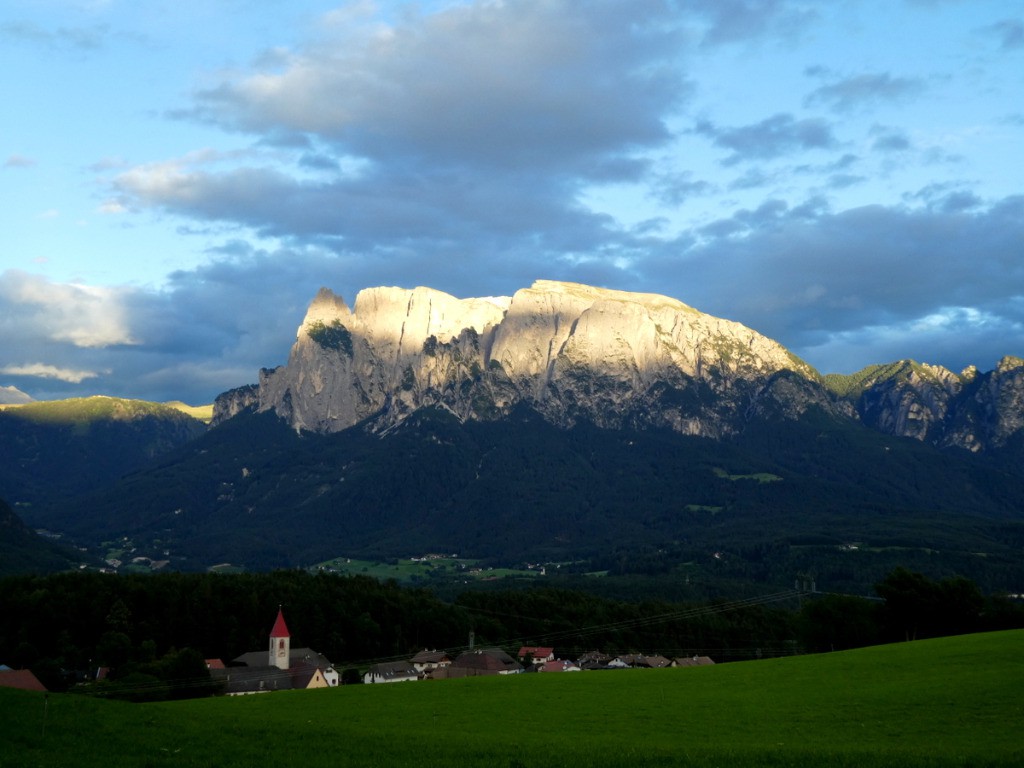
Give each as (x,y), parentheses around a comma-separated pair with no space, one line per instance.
(916,606)
(839,622)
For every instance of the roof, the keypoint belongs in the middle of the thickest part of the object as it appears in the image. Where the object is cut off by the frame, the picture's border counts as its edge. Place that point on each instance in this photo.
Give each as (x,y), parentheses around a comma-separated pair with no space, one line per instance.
(693,661)
(657,662)
(20,678)
(489,659)
(304,674)
(295,656)
(253,679)
(536,651)
(430,657)
(215,663)
(280,628)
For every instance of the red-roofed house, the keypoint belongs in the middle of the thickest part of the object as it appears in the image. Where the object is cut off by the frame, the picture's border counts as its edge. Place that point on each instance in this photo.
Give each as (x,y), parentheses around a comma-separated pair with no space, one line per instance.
(537,654)
(20,678)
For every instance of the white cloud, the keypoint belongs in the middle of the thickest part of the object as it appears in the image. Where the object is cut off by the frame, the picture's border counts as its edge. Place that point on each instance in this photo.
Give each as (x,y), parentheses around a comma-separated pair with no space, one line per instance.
(539,83)
(85,316)
(42,370)
(112,207)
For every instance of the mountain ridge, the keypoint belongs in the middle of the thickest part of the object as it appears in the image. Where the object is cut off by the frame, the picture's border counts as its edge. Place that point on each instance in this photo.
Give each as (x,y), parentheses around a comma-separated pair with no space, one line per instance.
(614,358)
(608,430)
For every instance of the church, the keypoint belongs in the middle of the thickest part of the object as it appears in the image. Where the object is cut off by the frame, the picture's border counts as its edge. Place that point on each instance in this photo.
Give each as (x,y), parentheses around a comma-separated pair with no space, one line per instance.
(279,668)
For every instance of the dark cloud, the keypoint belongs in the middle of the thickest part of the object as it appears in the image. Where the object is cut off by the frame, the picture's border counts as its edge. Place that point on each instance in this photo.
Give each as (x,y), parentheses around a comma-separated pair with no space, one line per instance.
(1009,32)
(732,21)
(73,38)
(942,283)
(889,140)
(773,137)
(873,272)
(864,90)
(676,188)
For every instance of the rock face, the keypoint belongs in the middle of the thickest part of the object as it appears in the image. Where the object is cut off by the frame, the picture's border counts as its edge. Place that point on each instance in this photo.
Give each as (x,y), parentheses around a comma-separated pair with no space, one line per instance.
(972,410)
(234,402)
(573,352)
(568,351)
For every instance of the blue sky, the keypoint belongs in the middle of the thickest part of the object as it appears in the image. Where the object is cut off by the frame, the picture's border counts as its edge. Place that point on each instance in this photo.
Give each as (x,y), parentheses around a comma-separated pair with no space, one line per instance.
(178,179)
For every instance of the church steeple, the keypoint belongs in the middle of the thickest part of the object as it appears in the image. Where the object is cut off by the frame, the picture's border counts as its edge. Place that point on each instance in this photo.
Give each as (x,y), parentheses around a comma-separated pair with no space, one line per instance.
(280,643)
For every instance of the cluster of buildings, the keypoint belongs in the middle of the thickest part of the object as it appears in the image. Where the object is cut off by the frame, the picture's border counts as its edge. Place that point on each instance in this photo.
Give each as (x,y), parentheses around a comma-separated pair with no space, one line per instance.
(282,667)
(438,665)
(279,668)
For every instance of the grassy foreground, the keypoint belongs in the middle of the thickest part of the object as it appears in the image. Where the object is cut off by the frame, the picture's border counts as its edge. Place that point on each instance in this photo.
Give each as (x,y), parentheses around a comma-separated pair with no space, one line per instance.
(948,702)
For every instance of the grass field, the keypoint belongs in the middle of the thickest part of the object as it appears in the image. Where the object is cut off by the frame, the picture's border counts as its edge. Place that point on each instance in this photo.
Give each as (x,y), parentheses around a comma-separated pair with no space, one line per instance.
(949,702)
(409,571)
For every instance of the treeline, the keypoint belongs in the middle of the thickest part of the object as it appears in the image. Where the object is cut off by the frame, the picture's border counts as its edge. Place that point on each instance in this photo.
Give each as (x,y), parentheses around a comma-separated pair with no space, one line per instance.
(910,607)
(154,631)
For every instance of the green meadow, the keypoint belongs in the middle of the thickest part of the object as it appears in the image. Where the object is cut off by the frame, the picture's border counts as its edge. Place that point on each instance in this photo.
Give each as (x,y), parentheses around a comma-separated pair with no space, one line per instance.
(947,702)
(409,571)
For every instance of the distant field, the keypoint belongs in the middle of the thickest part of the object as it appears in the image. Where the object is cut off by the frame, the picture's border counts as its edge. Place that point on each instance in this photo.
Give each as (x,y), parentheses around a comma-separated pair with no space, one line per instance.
(409,571)
(202,412)
(949,702)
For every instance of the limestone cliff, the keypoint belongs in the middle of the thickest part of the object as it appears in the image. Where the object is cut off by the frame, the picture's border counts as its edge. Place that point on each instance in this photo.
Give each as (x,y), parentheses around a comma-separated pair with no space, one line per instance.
(569,351)
(971,410)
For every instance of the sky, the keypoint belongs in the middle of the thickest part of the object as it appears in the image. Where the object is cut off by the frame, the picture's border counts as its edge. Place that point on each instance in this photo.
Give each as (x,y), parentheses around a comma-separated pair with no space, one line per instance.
(177,180)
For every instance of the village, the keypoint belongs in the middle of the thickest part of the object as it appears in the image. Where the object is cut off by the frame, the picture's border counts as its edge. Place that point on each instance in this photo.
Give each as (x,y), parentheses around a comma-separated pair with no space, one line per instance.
(282,667)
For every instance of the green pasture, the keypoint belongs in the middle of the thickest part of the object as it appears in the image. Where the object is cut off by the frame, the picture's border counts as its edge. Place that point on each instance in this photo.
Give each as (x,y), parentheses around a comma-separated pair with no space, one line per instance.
(947,702)
(406,570)
(760,477)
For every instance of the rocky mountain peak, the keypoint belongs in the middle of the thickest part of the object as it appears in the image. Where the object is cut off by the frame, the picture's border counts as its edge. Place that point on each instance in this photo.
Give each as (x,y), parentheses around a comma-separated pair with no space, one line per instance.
(568,350)
(576,352)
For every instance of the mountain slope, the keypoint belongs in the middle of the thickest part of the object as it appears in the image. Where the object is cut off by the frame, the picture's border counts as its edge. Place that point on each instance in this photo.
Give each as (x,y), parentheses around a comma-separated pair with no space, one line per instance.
(972,410)
(815,494)
(24,551)
(616,432)
(66,447)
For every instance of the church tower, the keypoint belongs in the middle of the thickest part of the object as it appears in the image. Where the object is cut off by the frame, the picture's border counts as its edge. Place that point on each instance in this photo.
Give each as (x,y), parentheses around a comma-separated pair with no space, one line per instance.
(280,643)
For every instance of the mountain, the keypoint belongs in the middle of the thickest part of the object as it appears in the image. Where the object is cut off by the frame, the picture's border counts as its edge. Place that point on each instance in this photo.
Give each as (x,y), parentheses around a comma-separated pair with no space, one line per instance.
(972,410)
(602,430)
(611,358)
(62,448)
(22,550)
(13,396)
(570,352)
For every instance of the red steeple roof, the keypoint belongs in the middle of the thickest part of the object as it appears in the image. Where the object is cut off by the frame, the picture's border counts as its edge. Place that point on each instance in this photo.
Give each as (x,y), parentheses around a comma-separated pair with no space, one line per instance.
(280,628)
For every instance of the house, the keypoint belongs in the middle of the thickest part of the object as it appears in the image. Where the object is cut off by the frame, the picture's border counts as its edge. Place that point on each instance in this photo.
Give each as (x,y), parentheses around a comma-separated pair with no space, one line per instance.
(20,678)
(428,661)
(482,661)
(625,661)
(639,661)
(656,662)
(279,668)
(593,660)
(692,661)
(391,672)
(559,665)
(536,654)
